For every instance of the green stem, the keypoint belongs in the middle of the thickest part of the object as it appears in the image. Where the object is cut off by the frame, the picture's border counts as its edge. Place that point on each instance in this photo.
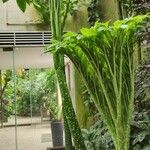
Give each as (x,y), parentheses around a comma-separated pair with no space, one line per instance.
(65,15)
(56,35)
(67,103)
(70,120)
(68,139)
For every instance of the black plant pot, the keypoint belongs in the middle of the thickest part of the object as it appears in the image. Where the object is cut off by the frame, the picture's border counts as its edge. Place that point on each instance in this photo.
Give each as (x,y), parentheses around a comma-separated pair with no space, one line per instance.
(56,148)
(57,133)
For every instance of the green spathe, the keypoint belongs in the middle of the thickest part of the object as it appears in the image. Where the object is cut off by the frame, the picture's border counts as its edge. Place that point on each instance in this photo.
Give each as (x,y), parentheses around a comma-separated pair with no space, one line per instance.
(103,55)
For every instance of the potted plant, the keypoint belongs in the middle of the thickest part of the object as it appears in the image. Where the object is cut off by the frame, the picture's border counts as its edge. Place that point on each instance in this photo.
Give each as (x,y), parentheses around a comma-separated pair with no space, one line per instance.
(56,124)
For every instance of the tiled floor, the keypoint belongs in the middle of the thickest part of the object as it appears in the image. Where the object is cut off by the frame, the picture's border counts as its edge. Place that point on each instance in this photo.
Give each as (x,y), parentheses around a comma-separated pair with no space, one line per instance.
(34,137)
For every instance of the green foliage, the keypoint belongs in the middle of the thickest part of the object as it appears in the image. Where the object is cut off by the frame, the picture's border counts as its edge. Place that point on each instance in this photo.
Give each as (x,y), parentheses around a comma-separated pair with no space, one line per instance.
(22,4)
(141,136)
(53,108)
(140,126)
(88,102)
(43,9)
(103,55)
(128,8)
(141,7)
(39,85)
(7,109)
(26,89)
(94,13)
(140,129)
(97,137)
(55,111)
(7,95)
(125,8)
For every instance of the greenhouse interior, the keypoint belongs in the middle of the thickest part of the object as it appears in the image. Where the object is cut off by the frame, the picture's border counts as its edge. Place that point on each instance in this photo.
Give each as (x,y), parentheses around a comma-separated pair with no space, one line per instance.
(74,75)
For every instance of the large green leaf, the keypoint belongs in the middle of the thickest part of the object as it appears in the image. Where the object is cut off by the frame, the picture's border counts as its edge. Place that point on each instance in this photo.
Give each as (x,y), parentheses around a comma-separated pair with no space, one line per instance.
(28,1)
(88,32)
(22,4)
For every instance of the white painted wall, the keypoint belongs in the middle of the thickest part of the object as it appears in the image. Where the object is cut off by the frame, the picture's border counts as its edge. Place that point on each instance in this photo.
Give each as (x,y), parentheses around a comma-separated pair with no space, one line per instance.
(3,22)
(12,18)
(25,58)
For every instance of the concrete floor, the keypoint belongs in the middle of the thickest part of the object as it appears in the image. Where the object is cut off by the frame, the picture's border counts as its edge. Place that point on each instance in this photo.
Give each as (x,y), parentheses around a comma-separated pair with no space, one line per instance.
(34,137)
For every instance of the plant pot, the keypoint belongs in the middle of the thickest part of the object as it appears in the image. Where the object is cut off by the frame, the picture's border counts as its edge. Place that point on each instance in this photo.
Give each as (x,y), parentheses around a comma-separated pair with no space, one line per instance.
(56,148)
(57,133)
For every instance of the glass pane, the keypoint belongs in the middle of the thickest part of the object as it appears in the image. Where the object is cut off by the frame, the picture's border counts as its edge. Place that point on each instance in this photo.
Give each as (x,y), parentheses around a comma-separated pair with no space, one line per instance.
(33,123)
(7,103)
(26,118)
